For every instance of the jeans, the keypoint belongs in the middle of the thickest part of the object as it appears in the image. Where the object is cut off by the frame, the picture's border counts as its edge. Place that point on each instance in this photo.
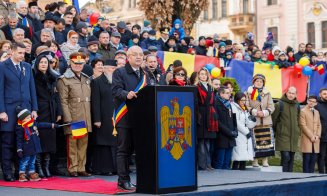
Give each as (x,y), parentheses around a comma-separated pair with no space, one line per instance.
(223,157)
(27,161)
(204,160)
(309,161)
(322,163)
(287,160)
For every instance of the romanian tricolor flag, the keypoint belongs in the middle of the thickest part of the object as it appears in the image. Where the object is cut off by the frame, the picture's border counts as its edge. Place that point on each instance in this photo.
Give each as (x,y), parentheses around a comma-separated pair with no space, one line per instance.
(277,80)
(73,2)
(79,129)
(190,62)
(255,94)
(321,69)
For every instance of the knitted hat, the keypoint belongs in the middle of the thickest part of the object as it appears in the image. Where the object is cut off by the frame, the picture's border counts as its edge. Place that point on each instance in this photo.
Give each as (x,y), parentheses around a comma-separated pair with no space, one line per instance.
(221,44)
(259,76)
(201,38)
(22,114)
(281,53)
(92,40)
(135,36)
(146,23)
(187,40)
(152,32)
(228,42)
(289,49)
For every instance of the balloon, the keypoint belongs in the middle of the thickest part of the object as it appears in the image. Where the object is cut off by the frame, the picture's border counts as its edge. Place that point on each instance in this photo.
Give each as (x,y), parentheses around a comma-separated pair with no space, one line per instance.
(94,18)
(297,68)
(307,71)
(209,67)
(215,72)
(304,61)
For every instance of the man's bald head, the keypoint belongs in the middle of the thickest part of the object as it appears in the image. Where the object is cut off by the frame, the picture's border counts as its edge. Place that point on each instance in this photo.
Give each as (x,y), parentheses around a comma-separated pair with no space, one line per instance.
(135,56)
(291,93)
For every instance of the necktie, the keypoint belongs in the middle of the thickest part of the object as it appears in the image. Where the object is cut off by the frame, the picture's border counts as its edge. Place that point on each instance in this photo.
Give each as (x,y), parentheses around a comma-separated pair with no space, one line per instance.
(24,22)
(138,73)
(18,69)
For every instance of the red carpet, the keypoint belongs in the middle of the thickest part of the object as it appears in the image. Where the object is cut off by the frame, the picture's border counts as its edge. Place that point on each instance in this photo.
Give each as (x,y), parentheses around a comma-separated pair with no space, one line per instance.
(98,186)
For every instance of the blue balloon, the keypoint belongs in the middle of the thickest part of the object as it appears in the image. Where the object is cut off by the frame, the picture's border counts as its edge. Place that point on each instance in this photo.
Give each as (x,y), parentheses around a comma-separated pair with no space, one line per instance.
(307,71)
(210,66)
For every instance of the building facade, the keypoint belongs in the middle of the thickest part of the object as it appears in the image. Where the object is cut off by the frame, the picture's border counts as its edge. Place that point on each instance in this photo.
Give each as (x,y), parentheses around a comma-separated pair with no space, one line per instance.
(230,19)
(293,22)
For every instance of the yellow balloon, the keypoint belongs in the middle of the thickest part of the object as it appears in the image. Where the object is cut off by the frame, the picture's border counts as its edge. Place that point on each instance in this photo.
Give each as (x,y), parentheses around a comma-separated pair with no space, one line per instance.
(304,61)
(215,72)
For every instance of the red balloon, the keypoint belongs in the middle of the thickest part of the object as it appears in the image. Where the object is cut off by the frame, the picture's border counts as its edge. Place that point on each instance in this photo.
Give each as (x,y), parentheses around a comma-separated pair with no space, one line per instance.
(94,18)
(298,68)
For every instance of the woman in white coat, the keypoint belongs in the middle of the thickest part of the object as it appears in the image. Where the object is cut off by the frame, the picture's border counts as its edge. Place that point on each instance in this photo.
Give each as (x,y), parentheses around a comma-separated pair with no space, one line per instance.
(243,151)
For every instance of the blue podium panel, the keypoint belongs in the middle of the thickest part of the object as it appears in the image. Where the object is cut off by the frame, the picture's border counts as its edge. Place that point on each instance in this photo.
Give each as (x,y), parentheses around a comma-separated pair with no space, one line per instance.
(176,145)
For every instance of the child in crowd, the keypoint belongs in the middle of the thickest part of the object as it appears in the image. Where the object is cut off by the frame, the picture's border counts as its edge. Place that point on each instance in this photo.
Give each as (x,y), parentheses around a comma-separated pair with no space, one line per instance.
(228,58)
(282,61)
(28,143)
(290,55)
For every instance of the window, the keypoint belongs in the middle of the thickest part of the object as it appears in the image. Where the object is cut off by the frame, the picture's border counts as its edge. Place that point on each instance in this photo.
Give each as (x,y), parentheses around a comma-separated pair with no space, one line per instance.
(245,6)
(324,34)
(214,9)
(223,8)
(272,2)
(311,33)
(274,31)
(205,15)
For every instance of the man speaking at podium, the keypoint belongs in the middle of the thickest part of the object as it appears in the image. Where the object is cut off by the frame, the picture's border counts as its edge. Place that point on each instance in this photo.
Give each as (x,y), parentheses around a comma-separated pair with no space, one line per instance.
(126,82)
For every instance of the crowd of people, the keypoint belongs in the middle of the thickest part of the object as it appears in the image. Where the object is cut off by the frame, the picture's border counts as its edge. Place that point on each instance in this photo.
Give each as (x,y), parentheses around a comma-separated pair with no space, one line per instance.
(56,69)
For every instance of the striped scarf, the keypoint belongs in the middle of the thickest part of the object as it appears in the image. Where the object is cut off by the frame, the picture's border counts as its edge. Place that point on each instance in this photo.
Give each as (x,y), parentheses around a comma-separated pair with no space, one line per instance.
(207,98)
(26,126)
(225,102)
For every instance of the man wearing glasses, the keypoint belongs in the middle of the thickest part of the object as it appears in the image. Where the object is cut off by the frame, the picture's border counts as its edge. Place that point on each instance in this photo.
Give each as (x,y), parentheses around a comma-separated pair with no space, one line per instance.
(124,83)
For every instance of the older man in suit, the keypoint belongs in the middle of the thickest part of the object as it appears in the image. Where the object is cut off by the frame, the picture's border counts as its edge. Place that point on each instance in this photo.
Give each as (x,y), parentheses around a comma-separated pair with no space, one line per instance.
(16,89)
(12,25)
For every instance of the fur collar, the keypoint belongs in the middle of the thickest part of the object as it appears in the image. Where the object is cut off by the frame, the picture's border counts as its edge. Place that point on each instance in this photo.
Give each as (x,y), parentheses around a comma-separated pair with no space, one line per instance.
(70,74)
(264,90)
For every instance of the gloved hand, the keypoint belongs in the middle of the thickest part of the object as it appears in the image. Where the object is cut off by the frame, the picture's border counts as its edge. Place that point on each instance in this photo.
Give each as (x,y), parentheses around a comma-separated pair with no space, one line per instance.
(234,134)
(20,153)
(248,136)
(54,125)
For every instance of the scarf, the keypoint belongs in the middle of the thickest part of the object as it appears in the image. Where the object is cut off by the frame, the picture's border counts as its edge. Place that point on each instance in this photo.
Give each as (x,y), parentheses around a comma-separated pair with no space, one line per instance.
(243,108)
(180,82)
(207,98)
(27,128)
(225,102)
(255,95)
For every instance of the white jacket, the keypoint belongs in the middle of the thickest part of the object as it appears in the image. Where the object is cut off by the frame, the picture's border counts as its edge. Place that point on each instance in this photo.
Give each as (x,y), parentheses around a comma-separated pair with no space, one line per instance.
(243,151)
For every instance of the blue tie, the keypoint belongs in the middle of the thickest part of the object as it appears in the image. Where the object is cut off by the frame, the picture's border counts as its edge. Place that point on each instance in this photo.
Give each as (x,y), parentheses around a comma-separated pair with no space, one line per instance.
(18,69)
(24,22)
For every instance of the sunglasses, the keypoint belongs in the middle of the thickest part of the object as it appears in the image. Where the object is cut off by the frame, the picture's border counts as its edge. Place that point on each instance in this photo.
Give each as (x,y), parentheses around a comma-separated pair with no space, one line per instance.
(180,74)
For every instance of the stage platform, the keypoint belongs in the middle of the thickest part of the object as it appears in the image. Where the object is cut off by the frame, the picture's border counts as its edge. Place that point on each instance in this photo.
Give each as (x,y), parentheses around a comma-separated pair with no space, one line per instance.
(223,182)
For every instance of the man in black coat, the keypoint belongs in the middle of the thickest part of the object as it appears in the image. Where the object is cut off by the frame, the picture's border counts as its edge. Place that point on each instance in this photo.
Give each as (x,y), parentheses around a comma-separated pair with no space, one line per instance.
(163,38)
(201,48)
(227,130)
(124,82)
(126,34)
(105,144)
(33,16)
(12,25)
(322,108)
(301,53)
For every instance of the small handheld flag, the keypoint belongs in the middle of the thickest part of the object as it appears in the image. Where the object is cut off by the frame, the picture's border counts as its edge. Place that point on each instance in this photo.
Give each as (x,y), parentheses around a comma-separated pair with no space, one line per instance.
(321,69)
(79,129)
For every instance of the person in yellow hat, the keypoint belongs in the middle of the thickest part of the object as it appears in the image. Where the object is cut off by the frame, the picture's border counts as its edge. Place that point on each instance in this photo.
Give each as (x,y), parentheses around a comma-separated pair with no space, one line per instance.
(75,92)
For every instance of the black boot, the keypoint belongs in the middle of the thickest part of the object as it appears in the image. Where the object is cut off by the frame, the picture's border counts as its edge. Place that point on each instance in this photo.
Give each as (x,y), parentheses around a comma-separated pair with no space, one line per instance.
(47,165)
(38,165)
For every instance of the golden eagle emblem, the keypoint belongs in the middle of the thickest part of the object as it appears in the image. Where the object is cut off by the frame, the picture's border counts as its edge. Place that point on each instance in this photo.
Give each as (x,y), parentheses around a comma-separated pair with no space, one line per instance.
(176,129)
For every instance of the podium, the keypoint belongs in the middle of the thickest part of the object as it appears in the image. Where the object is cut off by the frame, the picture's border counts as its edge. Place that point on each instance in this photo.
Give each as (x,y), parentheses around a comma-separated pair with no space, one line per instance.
(165,140)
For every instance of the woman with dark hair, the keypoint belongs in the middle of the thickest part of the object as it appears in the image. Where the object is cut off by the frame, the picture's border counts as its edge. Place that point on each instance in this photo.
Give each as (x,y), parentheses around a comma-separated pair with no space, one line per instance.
(54,47)
(179,77)
(193,77)
(97,65)
(49,111)
(72,9)
(243,151)
(207,124)
(144,35)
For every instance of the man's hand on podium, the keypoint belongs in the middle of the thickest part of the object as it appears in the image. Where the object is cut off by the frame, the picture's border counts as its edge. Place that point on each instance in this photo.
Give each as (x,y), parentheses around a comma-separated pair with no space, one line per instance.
(131,95)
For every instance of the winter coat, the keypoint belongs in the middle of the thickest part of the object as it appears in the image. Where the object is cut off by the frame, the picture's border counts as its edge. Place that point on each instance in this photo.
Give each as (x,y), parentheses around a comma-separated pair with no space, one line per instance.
(145,44)
(102,111)
(266,105)
(204,122)
(283,64)
(310,125)
(75,96)
(125,37)
(30,146)
(67,48)
(105,52)
(243,151)
(299,55)
(201,50)
(49,108)
(322,109)
(180,30)
(226,124)
(287,131)
(6,9)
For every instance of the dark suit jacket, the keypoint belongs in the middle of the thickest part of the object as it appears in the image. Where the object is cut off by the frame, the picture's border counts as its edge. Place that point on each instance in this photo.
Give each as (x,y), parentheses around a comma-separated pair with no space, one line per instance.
(16,90)
(124,80)
(7,31)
